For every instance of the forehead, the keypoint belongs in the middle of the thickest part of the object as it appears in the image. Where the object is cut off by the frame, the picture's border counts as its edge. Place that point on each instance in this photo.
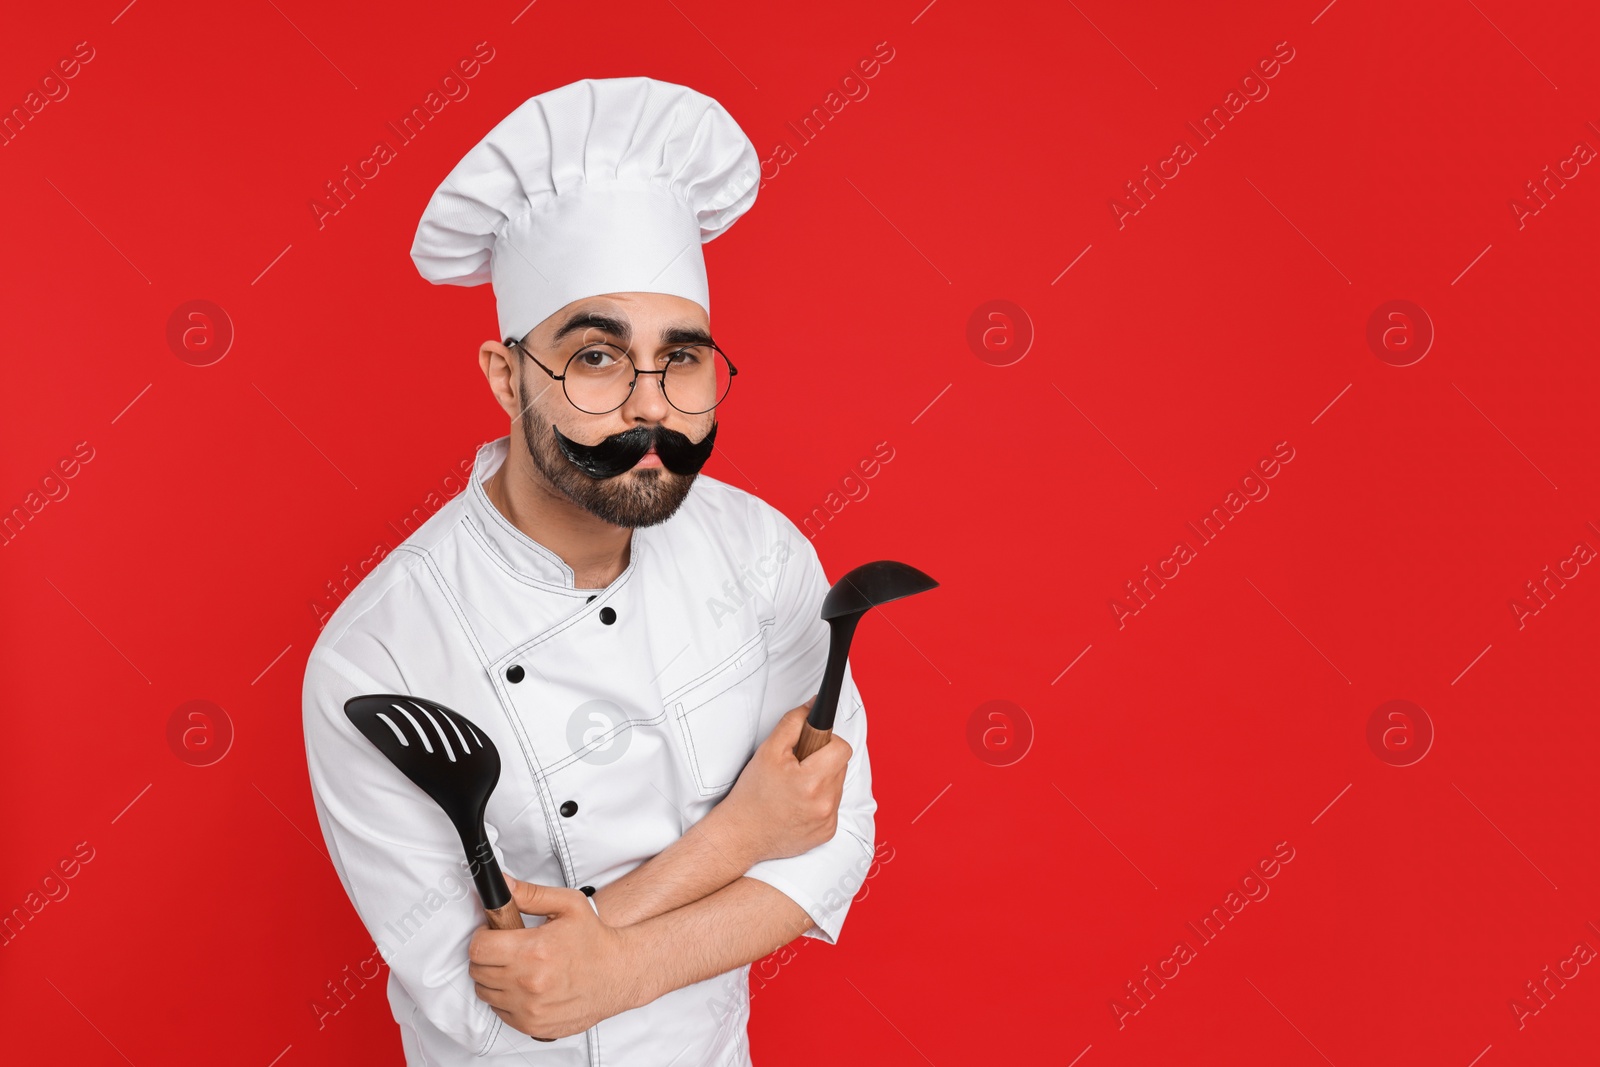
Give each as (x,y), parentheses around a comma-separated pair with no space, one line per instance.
(641,310)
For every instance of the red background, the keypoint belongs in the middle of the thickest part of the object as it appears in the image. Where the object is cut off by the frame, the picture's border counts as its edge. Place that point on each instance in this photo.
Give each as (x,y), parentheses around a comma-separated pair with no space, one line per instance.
(1228,315)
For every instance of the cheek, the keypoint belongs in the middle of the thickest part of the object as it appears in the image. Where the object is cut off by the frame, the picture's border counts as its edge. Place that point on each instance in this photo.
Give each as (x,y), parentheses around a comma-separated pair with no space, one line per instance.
(529,414)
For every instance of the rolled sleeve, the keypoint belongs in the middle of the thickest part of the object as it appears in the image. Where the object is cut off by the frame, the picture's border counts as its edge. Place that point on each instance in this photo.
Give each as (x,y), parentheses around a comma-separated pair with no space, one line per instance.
(395,851)
(826,879)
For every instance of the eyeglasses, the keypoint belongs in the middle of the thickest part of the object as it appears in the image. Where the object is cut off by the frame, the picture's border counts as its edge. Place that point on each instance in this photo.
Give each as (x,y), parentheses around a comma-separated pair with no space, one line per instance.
(600,376)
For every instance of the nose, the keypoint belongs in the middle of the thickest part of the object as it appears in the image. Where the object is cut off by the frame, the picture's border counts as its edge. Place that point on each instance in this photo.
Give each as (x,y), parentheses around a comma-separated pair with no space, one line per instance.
(647,401)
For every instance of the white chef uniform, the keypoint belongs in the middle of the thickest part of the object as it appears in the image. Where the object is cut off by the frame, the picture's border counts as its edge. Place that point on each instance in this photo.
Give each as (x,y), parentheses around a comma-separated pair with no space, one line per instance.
(619,736)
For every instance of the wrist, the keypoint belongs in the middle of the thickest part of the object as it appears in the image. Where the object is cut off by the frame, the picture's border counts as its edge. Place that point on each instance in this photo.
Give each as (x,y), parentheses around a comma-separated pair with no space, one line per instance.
(640,970)
(734,837)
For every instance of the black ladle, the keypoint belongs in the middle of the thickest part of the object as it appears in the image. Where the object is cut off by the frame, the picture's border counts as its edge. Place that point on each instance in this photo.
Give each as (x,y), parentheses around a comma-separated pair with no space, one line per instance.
(457,765)
(851,597)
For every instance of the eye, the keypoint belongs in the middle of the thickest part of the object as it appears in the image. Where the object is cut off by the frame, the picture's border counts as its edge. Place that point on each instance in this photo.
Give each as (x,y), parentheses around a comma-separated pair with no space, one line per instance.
(595,358)
(686,356)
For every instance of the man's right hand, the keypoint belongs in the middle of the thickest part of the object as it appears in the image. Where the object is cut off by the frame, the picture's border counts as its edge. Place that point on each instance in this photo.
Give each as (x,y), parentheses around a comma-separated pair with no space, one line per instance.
(780,806)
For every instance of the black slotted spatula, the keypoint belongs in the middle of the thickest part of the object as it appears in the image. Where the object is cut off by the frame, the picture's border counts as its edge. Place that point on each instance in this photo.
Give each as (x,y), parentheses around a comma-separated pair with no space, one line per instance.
(457,765)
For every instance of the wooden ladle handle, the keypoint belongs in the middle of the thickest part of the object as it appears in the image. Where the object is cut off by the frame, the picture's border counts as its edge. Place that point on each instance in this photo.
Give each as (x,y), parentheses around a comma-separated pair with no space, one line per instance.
(811,739)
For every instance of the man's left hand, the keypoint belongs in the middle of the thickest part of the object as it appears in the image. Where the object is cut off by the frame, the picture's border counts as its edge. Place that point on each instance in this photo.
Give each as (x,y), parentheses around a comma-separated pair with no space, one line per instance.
(559,978)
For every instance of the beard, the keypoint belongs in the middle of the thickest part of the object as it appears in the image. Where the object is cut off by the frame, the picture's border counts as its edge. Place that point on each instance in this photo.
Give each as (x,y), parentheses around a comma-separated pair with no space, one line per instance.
(640,496)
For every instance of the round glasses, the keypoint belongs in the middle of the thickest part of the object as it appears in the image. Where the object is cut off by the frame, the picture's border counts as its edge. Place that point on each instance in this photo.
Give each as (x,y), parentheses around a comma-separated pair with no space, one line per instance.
(600,376)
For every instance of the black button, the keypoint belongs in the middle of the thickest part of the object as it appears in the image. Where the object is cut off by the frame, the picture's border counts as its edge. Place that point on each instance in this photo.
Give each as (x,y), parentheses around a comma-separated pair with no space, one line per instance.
(587,890)
(514,673)
(569,808)
(608,616)
(591,597)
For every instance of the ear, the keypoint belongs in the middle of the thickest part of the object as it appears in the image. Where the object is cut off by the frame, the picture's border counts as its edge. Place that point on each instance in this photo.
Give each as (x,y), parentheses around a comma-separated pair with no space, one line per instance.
(500,368)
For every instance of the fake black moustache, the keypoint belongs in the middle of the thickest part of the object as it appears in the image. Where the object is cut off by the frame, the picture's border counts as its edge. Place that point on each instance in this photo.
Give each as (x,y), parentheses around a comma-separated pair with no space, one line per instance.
(618,453)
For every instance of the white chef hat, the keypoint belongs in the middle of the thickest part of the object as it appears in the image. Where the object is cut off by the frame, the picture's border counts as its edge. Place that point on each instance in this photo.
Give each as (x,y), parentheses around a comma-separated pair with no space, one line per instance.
(606,185)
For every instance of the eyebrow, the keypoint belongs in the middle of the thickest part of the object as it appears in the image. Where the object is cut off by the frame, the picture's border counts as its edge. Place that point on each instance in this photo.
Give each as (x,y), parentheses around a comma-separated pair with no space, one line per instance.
(584,320)
(674,334)
(685,334)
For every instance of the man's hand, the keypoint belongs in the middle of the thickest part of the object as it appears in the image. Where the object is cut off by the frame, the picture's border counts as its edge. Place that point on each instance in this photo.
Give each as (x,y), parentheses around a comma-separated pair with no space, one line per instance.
(780,806)
(559,978)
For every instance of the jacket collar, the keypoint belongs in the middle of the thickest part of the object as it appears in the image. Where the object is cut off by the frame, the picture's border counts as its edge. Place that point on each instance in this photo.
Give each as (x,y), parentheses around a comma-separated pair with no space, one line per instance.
(521,553)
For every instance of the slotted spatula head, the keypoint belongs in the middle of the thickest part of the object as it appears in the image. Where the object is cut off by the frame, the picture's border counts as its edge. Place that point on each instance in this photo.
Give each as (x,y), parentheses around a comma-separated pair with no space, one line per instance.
(448,758)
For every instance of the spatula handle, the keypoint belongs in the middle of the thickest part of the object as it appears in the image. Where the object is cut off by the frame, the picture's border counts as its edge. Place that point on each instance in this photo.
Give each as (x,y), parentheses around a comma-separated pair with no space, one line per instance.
(492,890)
(506,918)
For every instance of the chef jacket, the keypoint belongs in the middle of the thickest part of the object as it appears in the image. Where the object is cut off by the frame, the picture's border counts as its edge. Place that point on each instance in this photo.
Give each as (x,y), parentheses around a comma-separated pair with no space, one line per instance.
(622,715)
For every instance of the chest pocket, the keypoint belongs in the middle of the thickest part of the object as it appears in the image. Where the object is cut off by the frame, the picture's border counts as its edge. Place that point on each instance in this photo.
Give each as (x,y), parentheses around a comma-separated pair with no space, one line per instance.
(717,717)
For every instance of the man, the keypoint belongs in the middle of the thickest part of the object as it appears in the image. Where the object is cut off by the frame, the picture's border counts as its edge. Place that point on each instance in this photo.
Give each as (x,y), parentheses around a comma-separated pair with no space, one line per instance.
(636,639)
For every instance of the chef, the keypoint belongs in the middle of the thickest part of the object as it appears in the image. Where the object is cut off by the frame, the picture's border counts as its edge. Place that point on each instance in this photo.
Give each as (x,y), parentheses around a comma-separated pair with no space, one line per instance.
(639,640)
